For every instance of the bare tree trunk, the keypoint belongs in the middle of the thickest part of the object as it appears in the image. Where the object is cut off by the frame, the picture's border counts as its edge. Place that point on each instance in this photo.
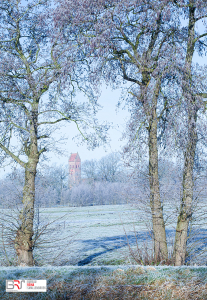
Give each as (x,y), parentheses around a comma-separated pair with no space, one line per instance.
(187,197)
(179,253)
(23,241)
(160,243)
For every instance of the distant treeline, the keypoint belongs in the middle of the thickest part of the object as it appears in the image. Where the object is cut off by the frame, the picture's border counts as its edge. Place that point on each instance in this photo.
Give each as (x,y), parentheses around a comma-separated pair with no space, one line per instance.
(51,192)
(105,182)
(102,183)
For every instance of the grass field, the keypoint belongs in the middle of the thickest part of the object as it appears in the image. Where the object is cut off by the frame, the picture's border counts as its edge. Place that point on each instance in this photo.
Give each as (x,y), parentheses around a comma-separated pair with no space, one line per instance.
(94,235)
(84,254)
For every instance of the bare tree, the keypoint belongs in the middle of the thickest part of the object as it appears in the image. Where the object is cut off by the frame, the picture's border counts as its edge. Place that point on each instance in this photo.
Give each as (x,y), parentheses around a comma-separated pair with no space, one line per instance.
(89,170)
(57,178)
(38,74)
(134,43)
(109,167)
(144,44)
(192,93)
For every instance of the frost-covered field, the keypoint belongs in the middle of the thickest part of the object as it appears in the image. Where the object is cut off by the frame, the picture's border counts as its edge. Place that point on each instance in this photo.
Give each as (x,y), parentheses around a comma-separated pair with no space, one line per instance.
(84,254)
(94,235)
(87,235)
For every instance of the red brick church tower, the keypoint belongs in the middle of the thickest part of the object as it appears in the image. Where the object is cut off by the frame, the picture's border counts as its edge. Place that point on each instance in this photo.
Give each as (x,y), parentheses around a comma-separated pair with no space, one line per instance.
(74,169)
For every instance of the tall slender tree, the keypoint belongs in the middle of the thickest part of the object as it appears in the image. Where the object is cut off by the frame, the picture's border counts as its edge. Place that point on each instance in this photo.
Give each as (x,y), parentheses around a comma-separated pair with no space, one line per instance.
(194,12)
(133,42)
(38,78)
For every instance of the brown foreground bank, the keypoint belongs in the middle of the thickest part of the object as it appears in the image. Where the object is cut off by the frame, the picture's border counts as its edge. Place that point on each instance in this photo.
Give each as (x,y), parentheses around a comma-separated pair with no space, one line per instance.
(111,282)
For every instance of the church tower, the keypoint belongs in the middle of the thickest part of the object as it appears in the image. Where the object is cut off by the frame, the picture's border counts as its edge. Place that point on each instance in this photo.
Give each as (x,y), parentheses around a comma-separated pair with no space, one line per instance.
(74,169)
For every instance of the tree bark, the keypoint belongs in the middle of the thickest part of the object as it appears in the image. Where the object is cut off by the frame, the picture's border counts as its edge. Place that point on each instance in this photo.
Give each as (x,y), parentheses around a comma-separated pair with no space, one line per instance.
(23,241)
(187,197)
(160,243)
(179,252)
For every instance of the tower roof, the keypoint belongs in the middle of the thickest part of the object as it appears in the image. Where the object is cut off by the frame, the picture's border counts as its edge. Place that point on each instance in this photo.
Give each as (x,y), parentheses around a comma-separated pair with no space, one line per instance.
(74,157)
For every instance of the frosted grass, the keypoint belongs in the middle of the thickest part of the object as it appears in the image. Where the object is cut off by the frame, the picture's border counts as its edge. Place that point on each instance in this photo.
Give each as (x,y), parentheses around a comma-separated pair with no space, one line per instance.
(93,235)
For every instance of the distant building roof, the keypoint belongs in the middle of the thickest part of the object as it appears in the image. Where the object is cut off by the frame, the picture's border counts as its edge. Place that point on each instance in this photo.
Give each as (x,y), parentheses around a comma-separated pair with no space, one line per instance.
(74,157)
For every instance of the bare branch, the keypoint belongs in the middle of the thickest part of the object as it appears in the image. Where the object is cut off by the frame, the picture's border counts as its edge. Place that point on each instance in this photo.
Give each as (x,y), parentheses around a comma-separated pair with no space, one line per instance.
(16,158)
